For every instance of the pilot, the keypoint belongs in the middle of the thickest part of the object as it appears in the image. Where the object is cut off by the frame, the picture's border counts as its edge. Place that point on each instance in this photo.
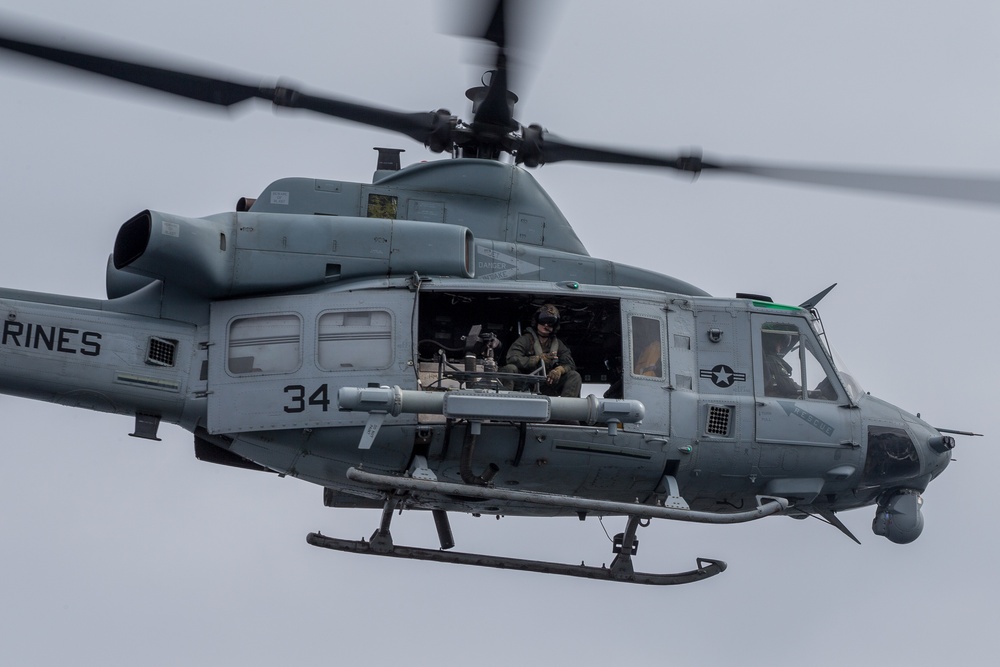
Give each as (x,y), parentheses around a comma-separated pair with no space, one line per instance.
(777,373)
(539,350)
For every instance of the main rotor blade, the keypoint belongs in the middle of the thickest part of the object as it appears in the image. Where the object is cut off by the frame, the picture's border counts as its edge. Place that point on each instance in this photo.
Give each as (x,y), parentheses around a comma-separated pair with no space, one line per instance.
(977,189)
(185,84)
(540,147)
(425,127)
(493,111)
(496,29)
(431,128)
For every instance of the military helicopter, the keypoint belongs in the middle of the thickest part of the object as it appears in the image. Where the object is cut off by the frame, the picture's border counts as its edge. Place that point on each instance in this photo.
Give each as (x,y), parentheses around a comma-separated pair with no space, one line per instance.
(263,331)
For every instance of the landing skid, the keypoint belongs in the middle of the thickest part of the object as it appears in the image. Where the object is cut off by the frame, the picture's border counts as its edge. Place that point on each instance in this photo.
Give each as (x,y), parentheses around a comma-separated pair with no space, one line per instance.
(625,544)
(620,570)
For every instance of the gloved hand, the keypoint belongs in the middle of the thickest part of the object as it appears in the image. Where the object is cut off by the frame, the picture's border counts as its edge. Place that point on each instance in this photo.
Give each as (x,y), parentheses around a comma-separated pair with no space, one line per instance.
(555,374)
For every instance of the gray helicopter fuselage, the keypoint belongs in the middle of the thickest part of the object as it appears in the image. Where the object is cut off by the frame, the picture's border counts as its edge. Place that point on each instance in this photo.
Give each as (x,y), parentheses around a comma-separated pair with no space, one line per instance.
(246,327)
(259,378)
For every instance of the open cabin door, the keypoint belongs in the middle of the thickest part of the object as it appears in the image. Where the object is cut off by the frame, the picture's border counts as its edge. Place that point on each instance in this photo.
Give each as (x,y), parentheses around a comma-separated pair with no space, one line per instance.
(278,362)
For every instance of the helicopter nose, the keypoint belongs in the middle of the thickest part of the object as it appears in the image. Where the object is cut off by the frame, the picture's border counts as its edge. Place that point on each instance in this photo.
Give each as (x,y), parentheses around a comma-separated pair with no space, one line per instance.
(909,459)
(942,444)
(938,452)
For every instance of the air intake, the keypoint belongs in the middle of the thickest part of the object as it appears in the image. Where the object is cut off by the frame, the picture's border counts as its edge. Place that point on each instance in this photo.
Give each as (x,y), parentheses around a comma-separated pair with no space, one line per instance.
(160,351)
(719,417)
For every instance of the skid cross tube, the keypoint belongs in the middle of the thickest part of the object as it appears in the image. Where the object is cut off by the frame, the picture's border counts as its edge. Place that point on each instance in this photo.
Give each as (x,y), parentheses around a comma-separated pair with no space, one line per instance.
(767,504)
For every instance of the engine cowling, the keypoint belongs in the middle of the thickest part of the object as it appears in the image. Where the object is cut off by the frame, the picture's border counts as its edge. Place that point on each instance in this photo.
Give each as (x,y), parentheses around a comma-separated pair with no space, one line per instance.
(243,253)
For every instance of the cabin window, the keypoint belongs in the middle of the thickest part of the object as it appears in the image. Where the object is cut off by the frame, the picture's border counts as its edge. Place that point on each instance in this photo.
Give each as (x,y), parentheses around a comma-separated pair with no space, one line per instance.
(350,340)
(791,366)
(265,344)
(647,347)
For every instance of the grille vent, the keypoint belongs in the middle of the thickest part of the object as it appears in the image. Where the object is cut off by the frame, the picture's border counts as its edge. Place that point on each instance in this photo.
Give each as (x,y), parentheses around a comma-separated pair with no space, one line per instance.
(161,351)
(719,417)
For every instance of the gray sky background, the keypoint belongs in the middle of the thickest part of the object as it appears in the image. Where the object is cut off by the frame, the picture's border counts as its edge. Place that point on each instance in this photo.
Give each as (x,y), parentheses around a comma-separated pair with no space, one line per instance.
(118,551)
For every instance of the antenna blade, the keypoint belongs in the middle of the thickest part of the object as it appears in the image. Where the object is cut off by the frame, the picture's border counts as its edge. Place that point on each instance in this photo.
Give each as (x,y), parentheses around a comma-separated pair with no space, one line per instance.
(811,302)
(837,523)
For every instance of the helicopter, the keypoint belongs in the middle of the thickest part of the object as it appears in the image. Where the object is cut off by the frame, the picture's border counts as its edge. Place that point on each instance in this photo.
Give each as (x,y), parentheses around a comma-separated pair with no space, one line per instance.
(394,273)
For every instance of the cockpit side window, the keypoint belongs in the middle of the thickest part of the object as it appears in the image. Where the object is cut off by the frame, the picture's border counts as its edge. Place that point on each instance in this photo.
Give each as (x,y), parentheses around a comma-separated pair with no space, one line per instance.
(791,366)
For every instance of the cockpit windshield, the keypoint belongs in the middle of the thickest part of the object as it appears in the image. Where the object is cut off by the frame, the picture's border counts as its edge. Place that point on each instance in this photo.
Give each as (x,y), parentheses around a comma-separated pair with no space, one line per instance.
(854,390)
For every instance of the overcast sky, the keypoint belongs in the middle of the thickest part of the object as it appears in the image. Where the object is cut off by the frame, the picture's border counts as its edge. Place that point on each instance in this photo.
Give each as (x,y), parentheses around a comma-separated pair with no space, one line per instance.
(118,551)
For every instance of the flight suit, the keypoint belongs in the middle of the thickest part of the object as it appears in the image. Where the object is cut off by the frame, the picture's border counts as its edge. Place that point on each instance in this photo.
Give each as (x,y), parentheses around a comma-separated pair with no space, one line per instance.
(525,356)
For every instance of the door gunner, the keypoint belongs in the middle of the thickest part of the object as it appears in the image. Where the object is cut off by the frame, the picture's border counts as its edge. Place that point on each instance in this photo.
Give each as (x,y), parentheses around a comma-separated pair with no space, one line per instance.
(538,350)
